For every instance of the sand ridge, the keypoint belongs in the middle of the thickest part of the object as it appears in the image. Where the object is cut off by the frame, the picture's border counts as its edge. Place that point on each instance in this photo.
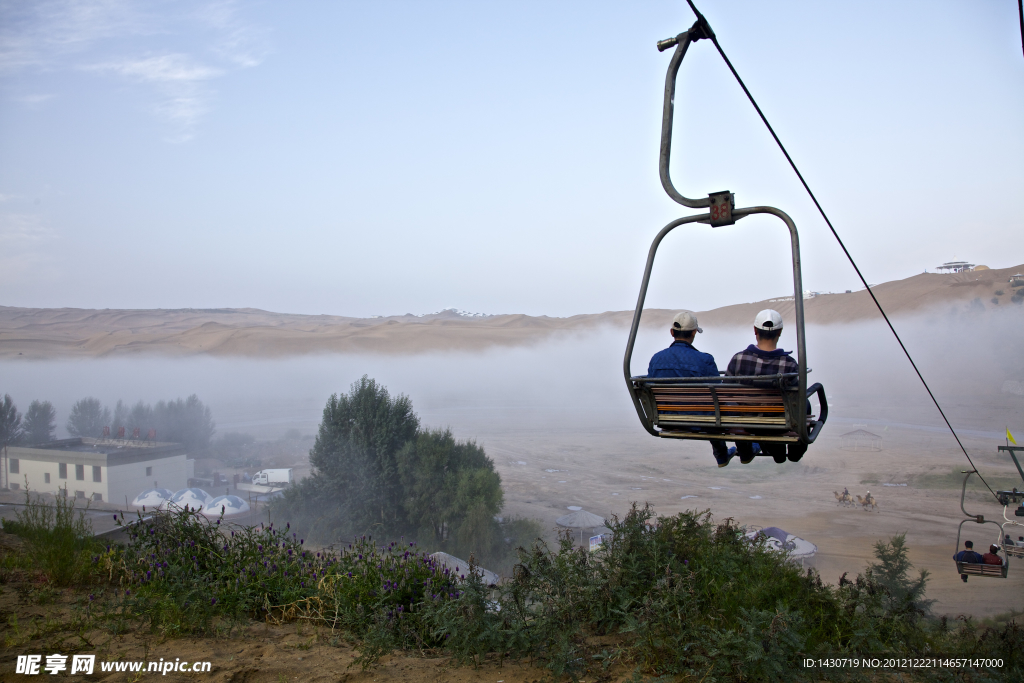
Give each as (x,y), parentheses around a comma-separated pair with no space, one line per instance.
(40,333)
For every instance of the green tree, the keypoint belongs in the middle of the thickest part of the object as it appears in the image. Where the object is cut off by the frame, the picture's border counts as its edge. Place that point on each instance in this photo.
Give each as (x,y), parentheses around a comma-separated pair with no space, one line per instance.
(10,422)
(88,418)
(354,457)
(10,433)
(452,491)
(187,422)
(40,422)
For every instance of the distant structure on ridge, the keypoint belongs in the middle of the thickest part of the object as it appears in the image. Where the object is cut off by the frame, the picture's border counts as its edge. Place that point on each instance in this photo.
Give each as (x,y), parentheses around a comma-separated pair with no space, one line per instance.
(956,267)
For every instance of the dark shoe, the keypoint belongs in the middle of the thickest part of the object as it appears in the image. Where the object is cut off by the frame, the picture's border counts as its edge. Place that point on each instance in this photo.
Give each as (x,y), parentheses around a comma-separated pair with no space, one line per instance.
(722,454)
(776,450)
(796,451)
(745,449)
(963,577)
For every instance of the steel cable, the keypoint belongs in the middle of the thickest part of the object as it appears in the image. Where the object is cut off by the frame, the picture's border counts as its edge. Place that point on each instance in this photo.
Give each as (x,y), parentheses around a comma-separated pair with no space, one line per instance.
(714,39)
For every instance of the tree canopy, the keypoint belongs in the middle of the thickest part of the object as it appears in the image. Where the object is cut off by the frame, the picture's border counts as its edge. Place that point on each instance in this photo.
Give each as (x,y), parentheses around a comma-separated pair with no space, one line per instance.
(375,471)
(10,422)
(88,418)
(40,423)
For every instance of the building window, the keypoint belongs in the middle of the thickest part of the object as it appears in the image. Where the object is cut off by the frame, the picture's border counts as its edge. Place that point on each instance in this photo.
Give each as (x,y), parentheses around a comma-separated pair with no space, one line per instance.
(14,465)
(149,471)
(62,470)
(97,473)
(15,487)
(98,497)
(80,495)
(46,477)
(80,472)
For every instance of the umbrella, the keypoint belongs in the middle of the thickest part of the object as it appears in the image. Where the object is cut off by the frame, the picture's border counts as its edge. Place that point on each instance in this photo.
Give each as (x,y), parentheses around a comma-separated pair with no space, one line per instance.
(193,498)
(153,498)
(232,505)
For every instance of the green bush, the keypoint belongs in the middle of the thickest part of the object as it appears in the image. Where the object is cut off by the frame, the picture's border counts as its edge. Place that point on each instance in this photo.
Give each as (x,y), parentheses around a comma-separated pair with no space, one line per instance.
(59,537)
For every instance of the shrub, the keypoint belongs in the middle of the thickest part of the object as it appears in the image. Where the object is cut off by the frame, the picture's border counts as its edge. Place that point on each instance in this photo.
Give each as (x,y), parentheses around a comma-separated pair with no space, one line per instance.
(59,537)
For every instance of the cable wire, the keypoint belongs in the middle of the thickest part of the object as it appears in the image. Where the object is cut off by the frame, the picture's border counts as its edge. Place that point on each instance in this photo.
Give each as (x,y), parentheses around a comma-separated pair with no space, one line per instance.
(714,39)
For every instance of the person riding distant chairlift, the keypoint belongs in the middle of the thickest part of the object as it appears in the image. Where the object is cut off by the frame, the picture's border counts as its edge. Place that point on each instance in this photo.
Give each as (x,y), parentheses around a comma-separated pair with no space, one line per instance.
(765,358)
(681,359)
(992,556)
(968,555)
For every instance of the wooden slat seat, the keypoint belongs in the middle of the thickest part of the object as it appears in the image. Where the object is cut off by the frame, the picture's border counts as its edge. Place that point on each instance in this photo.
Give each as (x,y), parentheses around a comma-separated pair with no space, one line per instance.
(704,408)
(978,569)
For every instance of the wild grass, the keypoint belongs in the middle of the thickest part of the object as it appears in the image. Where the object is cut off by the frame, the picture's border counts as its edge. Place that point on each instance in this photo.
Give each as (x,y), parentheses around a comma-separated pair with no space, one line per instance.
(59,538)
(683,597)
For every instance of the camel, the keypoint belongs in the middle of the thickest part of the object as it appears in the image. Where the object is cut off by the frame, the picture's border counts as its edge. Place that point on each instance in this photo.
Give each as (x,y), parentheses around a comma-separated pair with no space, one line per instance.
(843,498)
(867,502)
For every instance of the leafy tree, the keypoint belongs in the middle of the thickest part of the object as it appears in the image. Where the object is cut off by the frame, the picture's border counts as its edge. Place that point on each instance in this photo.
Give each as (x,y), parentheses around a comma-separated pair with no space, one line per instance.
(10,433)
(354,457)
(187,422)
(452,491)
(10,422)
(40,422)
(88,418)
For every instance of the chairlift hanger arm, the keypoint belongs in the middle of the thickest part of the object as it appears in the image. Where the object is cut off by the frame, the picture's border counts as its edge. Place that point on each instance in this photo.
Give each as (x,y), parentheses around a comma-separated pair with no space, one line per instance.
(698,31)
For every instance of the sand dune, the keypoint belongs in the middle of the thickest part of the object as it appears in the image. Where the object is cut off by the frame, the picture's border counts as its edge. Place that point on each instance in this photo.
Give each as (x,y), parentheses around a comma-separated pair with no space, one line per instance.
(71,332)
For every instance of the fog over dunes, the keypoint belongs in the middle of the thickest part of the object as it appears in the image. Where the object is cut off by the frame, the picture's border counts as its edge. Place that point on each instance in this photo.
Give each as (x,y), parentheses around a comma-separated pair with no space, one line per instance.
(71,332)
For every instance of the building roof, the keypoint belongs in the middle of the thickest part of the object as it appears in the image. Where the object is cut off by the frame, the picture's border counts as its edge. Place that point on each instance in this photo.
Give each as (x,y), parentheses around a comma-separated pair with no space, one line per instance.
(83,450)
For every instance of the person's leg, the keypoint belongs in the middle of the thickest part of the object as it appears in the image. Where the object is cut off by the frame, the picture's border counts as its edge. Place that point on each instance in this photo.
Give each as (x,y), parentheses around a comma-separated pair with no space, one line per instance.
(776,450)
(721,452)
(745,449)
(796,451)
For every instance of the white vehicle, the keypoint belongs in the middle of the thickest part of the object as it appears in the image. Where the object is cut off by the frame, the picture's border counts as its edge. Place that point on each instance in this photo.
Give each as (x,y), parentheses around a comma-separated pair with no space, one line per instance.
(281,477)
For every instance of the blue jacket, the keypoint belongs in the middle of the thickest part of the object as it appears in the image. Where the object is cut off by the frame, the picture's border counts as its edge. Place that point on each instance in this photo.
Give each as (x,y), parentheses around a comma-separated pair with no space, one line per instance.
(968,556)
(682,360)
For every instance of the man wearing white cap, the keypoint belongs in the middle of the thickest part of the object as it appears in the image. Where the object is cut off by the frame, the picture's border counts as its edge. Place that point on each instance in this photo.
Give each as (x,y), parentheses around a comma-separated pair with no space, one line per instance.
(681,359)
(765,358)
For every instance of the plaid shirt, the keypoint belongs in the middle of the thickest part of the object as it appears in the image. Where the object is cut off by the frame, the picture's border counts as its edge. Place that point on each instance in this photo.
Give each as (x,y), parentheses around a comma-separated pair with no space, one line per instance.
(754,361)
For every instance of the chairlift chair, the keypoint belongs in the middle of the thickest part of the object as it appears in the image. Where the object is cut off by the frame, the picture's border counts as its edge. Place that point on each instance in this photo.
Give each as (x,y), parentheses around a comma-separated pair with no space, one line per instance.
(966,569)
(764,408)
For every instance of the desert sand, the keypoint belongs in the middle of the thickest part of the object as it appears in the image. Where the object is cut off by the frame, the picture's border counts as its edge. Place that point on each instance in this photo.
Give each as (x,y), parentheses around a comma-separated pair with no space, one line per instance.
(575,441)
(70,332)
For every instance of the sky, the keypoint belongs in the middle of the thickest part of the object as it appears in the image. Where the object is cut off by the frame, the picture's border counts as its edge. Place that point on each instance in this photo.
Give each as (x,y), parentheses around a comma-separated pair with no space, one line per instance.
(379,158)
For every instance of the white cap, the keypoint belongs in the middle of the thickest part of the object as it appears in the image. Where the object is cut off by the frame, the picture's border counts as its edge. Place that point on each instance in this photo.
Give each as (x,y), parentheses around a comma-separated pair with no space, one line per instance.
(685,321)
(769,320)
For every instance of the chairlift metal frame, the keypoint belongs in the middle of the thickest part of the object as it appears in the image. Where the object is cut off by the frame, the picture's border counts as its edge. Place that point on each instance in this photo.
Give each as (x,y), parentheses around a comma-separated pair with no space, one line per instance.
(722,213)
(966,569)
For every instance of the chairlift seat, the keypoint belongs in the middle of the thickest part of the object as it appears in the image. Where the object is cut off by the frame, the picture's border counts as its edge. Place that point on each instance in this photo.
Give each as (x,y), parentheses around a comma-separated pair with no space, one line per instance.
(763,408)
(997,571)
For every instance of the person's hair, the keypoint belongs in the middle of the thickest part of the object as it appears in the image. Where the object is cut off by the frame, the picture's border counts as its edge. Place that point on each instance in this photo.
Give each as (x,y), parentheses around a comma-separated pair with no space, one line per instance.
(993,548)
(968,544)
(683,334)
(767,334)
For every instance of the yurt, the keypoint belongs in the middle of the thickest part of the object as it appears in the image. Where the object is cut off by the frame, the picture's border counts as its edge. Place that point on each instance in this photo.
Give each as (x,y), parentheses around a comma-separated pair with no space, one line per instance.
(152,498)
(861,440)
(193,499)
(229,505)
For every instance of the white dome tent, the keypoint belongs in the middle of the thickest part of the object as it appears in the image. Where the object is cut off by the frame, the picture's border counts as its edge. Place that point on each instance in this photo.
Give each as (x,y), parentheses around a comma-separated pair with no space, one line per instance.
(152,498)
(193,499)
(229,505)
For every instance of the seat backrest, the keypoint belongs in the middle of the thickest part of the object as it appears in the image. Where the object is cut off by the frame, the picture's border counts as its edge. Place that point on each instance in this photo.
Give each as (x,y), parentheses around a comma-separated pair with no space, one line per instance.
(979,569)
(720,405)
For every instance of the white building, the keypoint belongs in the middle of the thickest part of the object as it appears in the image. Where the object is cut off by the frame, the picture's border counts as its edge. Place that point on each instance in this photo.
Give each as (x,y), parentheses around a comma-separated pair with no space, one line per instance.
(103,470)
